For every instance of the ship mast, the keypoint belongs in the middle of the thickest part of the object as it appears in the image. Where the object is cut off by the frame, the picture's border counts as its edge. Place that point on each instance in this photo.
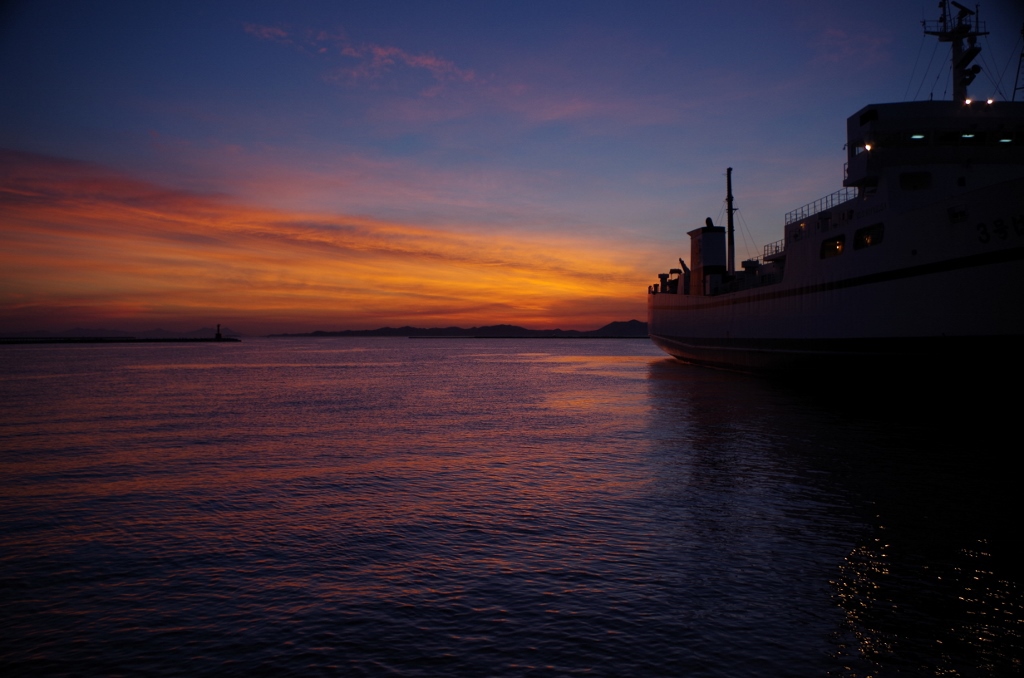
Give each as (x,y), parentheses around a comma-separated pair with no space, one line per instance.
(1017,86)
(729,210)
(954,30)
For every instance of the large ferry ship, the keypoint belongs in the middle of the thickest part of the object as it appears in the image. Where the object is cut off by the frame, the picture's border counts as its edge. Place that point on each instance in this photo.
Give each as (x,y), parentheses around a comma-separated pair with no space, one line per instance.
(919,258)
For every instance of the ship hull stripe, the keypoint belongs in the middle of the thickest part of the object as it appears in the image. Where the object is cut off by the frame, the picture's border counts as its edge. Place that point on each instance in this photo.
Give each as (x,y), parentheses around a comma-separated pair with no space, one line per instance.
(802,355)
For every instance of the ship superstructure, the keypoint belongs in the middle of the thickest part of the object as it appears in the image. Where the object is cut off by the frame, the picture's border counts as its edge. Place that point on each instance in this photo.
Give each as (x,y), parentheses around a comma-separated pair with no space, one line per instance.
(921,253)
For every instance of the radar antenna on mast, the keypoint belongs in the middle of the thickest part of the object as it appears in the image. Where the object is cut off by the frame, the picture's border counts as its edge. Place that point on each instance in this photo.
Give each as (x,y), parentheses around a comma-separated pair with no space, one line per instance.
(954,30)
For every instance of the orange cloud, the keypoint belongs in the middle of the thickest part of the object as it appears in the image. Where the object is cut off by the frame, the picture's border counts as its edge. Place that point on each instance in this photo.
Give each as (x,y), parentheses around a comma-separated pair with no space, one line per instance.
(83,245)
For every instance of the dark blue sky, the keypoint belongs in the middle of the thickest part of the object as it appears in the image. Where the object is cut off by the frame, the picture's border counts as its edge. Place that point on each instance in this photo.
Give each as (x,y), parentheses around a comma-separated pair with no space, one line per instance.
(595,132)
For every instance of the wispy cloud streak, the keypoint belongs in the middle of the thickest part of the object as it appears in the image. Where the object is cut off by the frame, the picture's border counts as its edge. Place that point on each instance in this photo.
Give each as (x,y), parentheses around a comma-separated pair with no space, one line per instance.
(366,61)
(78,236)
(531,100)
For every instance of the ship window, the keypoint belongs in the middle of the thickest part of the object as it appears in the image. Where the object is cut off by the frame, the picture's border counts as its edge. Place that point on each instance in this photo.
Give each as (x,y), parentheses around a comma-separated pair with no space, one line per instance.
(915,181)
(833,247)
(868,236)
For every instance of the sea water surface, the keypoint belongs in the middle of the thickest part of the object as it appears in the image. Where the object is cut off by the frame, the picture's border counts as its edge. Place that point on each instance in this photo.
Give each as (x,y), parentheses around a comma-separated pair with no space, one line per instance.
(462,507)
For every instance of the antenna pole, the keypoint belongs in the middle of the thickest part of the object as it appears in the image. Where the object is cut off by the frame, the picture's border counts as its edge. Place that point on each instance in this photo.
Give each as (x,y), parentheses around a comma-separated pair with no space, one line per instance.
(729,209)
(1017,86)
(954,30)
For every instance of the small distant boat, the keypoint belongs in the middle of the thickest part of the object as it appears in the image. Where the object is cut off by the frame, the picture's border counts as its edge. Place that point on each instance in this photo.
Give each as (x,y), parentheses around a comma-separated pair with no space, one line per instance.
(919,257)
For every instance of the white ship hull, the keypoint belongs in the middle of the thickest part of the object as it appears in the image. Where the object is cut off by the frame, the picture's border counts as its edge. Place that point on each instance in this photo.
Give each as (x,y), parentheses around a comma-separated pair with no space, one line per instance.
(938,288)
(917,262)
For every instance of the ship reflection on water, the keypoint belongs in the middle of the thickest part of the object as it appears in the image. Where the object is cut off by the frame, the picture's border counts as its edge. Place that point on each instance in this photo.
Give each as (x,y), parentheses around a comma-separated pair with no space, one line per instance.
(475,507)
(915,480)
(961,615)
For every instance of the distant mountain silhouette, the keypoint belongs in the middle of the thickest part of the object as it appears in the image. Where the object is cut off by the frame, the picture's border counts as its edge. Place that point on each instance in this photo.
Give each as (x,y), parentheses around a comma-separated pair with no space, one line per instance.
(81,332)
(620,329)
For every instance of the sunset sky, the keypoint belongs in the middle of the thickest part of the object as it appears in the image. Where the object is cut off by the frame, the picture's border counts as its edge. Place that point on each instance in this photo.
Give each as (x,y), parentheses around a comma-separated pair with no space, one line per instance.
(295,166)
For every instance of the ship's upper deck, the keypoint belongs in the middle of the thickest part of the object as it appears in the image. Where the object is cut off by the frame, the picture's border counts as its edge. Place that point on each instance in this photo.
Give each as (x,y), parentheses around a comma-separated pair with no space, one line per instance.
(931,133)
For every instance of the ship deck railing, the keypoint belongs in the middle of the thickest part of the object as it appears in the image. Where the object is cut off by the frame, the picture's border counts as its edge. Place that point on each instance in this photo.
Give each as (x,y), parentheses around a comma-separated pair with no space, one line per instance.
(821,204)
(939,26)
(774,248)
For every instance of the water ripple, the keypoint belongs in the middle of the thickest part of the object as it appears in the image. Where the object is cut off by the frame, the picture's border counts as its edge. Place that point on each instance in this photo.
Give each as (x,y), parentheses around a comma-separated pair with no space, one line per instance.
(388,507)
